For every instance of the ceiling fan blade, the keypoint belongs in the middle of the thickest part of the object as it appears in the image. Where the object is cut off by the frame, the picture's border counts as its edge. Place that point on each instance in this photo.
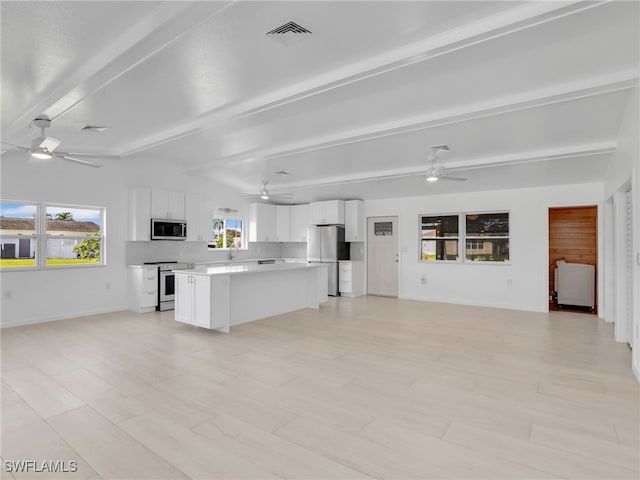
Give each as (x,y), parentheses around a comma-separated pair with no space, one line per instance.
(16,153)
(456,179)
(24,149)
(86,163)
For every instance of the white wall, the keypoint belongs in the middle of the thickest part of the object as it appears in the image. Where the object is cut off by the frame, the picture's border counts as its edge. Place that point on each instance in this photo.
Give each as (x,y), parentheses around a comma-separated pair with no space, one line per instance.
(522,284)
(35,296)
(625,168)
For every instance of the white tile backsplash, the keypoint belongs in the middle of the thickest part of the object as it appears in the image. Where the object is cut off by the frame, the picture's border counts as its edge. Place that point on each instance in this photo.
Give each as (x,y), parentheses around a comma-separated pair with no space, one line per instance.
(137,253)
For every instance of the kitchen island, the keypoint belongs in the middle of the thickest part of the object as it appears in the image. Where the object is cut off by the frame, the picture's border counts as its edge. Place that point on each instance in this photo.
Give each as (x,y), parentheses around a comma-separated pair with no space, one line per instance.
(218,297)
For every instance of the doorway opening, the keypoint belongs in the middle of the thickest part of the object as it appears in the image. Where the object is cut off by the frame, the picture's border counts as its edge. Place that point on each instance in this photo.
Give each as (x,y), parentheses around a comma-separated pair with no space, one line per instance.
(573,259)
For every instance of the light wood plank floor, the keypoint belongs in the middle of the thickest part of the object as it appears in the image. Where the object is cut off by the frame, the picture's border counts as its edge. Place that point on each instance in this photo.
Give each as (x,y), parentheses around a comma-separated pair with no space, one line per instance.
(363,388)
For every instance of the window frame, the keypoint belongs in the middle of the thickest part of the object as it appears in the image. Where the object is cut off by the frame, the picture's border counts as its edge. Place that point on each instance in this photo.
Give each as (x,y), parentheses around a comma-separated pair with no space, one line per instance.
(458,238)
(225,218)
(41,236)
(463,237)
(463,219)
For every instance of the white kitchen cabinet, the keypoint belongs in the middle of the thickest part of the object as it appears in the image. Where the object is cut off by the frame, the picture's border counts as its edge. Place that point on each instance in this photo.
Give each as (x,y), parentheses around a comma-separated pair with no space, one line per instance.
(283,223)
(351,278)
(329,212)
(199,218)
(202,301)
(139,214)
(299,222)
(354,225)
(262,222)
(143,288)
(166,204)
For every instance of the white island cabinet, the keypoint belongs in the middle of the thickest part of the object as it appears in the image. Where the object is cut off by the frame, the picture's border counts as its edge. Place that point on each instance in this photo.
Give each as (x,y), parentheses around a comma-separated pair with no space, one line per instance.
(223,296)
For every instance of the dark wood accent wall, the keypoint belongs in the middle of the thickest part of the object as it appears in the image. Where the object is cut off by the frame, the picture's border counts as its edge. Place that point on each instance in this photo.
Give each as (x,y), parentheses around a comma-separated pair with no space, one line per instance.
(573,234)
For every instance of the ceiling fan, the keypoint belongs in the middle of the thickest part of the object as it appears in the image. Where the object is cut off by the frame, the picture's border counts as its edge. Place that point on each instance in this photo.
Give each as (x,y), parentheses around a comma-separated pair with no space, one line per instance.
(436,173)
(44,148)
(266,195)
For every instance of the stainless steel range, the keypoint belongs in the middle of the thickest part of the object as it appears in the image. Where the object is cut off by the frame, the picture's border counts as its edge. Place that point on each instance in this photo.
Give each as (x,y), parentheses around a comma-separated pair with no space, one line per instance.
(167,283)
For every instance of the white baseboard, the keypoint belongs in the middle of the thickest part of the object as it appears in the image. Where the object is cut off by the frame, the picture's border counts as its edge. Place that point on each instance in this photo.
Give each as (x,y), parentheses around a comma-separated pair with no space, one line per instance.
(636,372)
(487,305)
(66,316)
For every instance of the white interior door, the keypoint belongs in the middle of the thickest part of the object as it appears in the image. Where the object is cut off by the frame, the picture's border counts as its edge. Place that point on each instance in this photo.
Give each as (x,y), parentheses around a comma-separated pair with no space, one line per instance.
(382,256)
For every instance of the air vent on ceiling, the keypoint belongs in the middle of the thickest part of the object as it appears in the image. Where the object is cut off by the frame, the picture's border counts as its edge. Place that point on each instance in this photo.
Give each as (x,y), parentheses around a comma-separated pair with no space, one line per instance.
(283,173)
(440,148)
(93,128)
(289,33)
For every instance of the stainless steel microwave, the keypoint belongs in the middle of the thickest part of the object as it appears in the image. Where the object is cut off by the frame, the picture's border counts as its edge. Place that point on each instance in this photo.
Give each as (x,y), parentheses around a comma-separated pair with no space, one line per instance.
(167,229)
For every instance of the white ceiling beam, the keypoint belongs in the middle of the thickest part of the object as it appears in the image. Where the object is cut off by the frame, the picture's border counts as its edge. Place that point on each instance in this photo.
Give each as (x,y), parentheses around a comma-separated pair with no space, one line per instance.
(533,156)
(528,100)
(473,33)
(159,29)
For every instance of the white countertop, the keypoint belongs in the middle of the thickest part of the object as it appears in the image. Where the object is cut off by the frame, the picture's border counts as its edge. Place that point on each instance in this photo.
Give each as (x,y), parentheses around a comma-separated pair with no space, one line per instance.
(244,268)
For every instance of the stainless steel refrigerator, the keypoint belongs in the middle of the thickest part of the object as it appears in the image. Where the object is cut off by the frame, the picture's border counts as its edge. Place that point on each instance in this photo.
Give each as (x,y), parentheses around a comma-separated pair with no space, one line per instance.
(325,244)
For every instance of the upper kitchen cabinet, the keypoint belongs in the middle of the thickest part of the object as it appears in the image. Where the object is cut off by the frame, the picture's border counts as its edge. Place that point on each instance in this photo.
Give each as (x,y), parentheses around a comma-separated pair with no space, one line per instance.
(354,225)
(199,219)
(299,222)
(329,212)
(139,214)
(283,223)
(262,222)
(166,204)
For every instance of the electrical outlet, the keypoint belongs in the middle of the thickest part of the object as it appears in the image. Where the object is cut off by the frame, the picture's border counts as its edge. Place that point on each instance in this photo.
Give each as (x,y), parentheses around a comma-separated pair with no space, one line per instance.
(8,294)
(509,282)
(107,285)
(423,280)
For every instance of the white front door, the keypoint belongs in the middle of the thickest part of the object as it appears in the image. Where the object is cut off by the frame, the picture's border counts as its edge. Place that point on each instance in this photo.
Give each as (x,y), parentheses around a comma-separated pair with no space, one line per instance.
(382,256)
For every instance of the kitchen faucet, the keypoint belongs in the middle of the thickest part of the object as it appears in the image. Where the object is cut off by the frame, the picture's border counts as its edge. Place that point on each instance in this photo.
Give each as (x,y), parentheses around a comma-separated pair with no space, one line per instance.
(231,249)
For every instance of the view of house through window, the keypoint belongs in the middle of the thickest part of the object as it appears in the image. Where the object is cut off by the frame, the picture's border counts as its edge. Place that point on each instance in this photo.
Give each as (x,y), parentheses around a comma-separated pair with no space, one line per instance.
(227,233)
(484,235)
(73,235)
(487,237)
(18,239)
(39,235)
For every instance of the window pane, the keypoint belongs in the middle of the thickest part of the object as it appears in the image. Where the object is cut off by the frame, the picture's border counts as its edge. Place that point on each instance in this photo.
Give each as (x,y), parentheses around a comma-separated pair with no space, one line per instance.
(488,224)
(439,250)
(488,250)
(234,233)
(73,251)
(440,226)
(67,221)
(18,242)
(18,251)
(17,219)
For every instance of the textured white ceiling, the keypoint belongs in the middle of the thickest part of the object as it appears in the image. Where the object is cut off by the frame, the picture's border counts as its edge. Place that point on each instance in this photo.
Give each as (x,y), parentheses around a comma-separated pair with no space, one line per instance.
(525,93)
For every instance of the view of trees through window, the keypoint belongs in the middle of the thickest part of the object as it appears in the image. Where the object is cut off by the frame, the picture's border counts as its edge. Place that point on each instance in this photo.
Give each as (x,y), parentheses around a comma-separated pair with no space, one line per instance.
(227,233)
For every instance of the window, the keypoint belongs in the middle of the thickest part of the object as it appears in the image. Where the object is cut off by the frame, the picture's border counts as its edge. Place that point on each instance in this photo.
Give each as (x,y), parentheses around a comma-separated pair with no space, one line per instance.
(487,237)
(43,235)
(227,233)
(73,235)
(439,238)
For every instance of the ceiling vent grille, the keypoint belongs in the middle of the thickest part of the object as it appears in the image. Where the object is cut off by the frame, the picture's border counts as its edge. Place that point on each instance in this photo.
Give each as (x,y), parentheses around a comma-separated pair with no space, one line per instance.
(289,33)
(93,128)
